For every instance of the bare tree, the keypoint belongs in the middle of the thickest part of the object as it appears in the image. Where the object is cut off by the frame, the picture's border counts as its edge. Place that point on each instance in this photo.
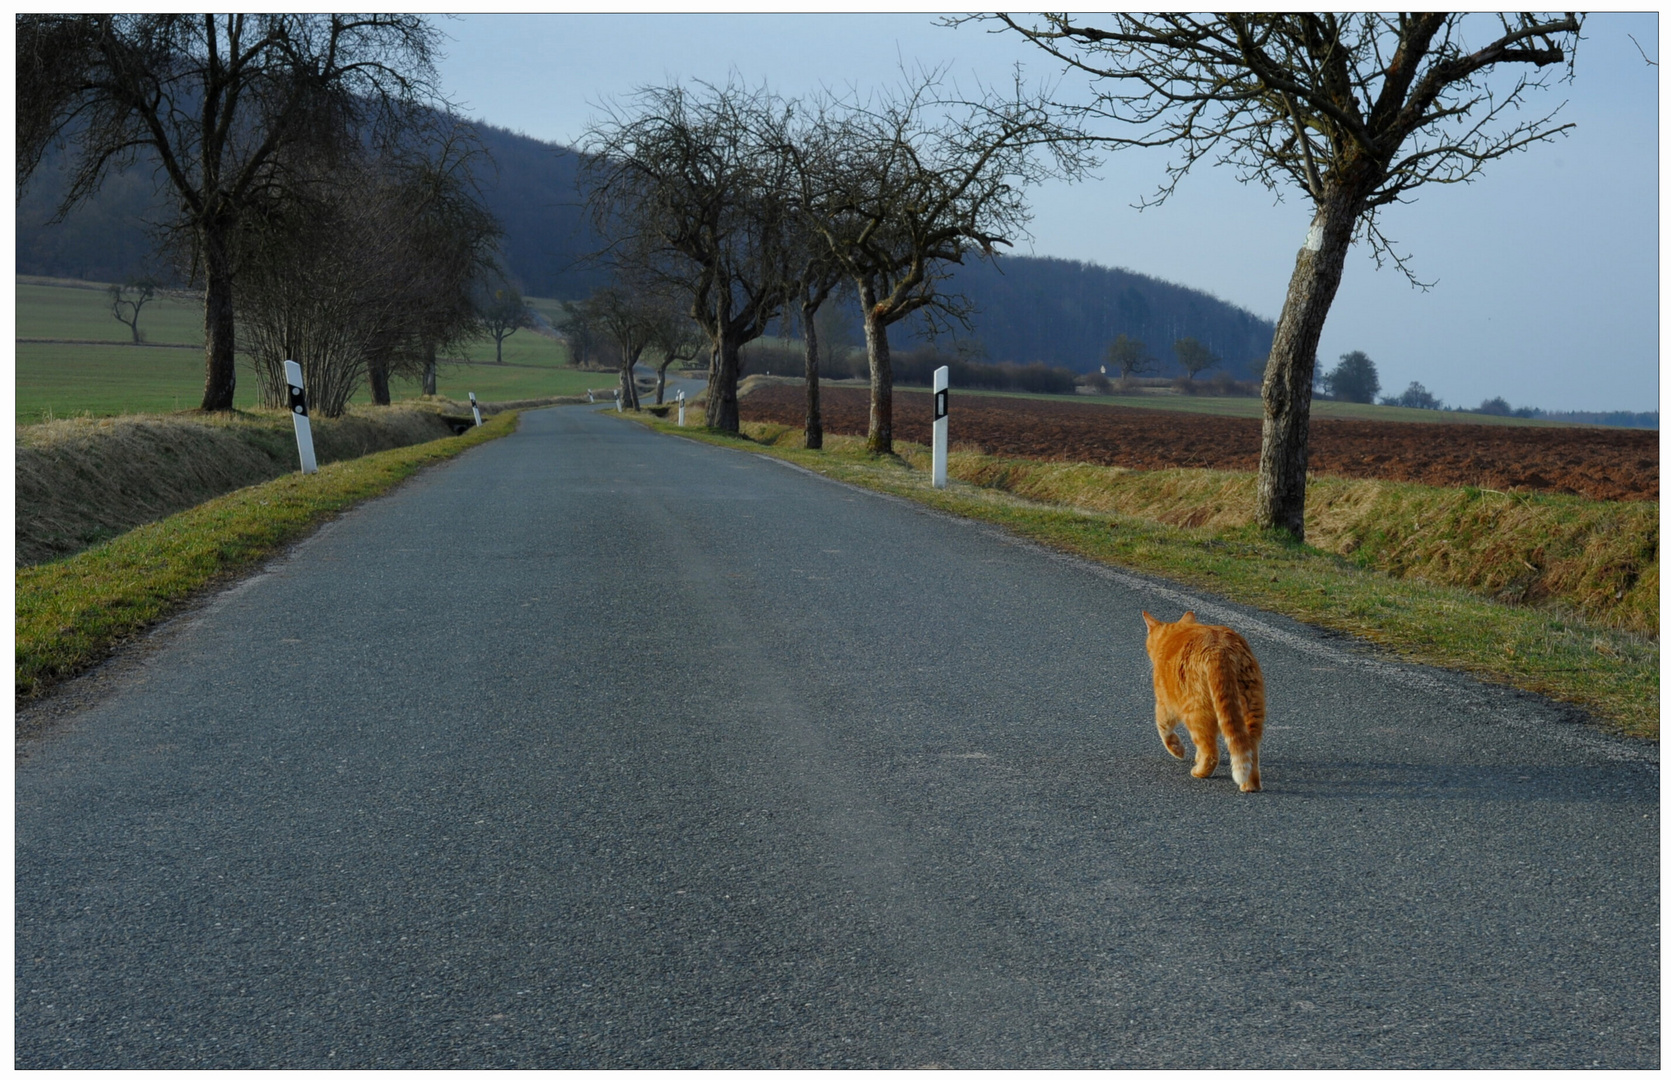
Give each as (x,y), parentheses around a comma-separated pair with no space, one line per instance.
(501,311)
(901,188)
(449,236)
(1357,110)
(820,276)
(127,299)
(633,323)
(677,338)
(580,331)
(364,272)
(211,101)
(1193,356)
(689,187)
(316,289)
(1129,357)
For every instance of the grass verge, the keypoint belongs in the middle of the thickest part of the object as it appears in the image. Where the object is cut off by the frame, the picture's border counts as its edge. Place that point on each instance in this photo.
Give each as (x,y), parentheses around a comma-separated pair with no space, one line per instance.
(73,612)
(1610,672)
(83,481)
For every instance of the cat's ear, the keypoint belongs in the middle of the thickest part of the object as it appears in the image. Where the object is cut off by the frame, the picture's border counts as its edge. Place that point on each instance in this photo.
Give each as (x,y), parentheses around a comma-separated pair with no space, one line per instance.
(1188,616)
(1150,621)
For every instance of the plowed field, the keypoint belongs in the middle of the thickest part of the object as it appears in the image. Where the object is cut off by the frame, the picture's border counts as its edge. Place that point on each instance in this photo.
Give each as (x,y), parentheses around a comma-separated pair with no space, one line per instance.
(1596,462)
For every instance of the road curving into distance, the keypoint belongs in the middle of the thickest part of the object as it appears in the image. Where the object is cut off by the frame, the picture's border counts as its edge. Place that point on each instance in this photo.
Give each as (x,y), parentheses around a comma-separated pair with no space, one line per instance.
(600,748)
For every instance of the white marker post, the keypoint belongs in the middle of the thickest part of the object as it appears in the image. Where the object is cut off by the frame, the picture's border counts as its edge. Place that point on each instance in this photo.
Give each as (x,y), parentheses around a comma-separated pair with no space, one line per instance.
(477,409)
(299,416)
(681,408)
(942,394)
(617,401)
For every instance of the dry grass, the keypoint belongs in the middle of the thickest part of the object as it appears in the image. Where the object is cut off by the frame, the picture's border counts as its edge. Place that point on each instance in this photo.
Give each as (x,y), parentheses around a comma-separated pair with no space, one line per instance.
(1598,559)
(83,481)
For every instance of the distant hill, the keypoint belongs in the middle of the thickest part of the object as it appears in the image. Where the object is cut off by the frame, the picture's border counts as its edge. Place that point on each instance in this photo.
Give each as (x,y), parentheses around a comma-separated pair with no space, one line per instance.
(533,194)
(1050,311)
(1058,311)
(530,187)
(106,239)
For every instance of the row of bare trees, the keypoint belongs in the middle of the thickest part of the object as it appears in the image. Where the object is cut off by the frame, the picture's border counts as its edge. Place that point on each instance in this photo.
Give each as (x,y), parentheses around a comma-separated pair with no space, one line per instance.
(747,205)
(633,322)
(327,202)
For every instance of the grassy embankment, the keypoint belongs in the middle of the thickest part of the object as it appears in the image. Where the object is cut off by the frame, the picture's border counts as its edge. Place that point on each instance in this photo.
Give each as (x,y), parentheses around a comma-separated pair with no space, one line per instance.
(1553,594)
(84,481)
(72,612)
(74,358)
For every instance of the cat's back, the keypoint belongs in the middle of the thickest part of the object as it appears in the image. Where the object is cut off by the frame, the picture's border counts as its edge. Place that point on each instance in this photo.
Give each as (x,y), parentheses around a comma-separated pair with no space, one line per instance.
(1203,647)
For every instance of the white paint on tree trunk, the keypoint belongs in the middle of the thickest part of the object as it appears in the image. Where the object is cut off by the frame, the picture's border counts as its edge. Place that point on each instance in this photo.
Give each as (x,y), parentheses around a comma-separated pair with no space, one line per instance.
(1314,237)
(299,416)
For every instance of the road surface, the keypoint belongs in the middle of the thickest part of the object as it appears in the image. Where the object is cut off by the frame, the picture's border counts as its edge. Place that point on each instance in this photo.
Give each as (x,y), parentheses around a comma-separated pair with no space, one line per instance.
(599,748)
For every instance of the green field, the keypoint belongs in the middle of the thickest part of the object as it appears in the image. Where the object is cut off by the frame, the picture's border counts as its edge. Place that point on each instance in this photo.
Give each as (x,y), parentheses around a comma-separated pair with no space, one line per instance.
(81,312)
(56,381)
(68,377)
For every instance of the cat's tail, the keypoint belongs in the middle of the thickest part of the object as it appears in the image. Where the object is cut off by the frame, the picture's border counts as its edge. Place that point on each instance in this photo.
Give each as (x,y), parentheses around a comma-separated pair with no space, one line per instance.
(1231,706)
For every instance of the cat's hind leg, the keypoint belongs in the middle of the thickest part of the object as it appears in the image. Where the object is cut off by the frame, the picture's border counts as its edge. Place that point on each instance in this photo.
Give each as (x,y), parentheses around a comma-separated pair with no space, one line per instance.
(1244,761)
(1203,731)
(1169,726)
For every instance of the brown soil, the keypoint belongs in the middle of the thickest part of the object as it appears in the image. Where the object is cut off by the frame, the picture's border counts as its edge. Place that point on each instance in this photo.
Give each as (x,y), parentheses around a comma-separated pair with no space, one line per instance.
(1595,462)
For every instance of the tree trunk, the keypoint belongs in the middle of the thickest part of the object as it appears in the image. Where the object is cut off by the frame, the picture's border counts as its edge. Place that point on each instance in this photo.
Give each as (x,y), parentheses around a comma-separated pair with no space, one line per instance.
(377,374)
(498,348)
(721,406)
(429,371)
(880,438)
(1287,386)
(814,418)
(220,379)
(629,387)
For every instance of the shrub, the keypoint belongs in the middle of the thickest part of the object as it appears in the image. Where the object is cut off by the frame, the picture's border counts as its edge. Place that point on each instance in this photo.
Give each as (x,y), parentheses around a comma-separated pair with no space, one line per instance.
(1415,396)
(1096,382)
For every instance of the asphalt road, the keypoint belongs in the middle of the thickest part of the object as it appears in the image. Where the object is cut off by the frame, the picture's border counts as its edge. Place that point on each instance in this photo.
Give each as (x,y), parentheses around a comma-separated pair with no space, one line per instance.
(601,748)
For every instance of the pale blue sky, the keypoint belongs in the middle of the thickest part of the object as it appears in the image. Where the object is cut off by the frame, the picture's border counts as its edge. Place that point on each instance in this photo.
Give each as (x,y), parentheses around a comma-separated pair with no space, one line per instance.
(1547,268)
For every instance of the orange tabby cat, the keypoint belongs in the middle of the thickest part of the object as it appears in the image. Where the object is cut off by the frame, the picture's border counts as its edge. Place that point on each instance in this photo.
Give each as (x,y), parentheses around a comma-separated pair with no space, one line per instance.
(1207,682)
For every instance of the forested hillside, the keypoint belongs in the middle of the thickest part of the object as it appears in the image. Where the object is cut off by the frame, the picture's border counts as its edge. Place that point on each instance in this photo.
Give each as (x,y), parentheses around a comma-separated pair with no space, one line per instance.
(1050,311)
(1057,311)
(106,239)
